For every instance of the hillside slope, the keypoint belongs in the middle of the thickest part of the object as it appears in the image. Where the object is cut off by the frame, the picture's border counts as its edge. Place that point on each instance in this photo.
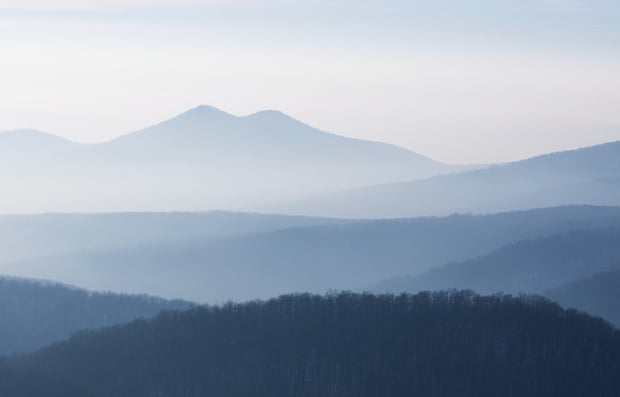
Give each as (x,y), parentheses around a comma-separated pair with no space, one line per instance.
(37,313)
(440,345)
(584,176)
(304,259)
(528,266)
(578,269)
(598,295)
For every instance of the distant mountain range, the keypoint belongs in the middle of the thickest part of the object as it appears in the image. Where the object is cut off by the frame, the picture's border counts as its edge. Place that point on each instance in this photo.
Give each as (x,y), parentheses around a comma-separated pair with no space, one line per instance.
(440,345)
(584,176)
(184,255)
(206,159)
(30,236)
(202,159)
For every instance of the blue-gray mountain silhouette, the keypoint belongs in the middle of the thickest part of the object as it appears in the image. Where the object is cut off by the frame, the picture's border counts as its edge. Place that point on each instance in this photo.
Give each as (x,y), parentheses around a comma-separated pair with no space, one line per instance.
(202,159)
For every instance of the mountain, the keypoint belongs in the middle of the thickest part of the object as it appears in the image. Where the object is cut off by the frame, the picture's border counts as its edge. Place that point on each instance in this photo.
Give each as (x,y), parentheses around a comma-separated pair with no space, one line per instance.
(22,151)
(598,295)
(267,136)
(34,140)
(312,258)
(37,313)
(528,266)
(28,236)
(440,345)
(584,176)
(202,159)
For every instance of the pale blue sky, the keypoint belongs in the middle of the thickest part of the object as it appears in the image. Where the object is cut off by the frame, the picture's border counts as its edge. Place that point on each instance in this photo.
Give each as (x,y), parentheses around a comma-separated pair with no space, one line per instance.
(457,80)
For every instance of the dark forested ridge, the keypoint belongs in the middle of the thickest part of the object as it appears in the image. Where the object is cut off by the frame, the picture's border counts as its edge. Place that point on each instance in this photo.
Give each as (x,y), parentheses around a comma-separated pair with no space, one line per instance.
(429,344)
(36,313)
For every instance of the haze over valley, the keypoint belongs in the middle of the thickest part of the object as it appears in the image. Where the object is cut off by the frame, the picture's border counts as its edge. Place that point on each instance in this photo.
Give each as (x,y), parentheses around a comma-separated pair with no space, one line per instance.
(208,208)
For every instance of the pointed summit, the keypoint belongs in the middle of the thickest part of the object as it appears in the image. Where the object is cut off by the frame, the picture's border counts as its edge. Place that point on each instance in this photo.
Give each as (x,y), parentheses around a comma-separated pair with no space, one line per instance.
(269,113)
(273,120)
(200,114)
(191,123)
(205,111)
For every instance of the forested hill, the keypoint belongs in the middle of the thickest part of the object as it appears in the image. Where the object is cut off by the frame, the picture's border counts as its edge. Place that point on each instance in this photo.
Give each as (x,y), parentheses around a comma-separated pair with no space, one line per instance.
(35,313)
(429,344)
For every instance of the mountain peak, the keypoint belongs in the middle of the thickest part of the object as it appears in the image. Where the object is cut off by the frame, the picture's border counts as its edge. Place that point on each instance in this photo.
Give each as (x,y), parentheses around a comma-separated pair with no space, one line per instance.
(269,112)
(205,110)
(272,118)
(193,120)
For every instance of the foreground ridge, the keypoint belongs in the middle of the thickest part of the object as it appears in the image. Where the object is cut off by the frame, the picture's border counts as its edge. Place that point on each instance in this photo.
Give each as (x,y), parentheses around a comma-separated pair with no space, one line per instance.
(429,344)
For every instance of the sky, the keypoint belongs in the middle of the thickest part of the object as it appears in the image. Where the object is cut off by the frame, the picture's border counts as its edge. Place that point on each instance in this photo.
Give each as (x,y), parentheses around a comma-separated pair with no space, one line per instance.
(461,81)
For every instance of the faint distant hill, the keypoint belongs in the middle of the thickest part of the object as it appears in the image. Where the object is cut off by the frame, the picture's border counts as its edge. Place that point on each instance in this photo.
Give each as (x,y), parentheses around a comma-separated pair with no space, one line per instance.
(440,345)
(24,150)
(304,258)
(584,176)
(527,266)
(598,295)
(28,236)
(37,313)
(201,159)
(29,139)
